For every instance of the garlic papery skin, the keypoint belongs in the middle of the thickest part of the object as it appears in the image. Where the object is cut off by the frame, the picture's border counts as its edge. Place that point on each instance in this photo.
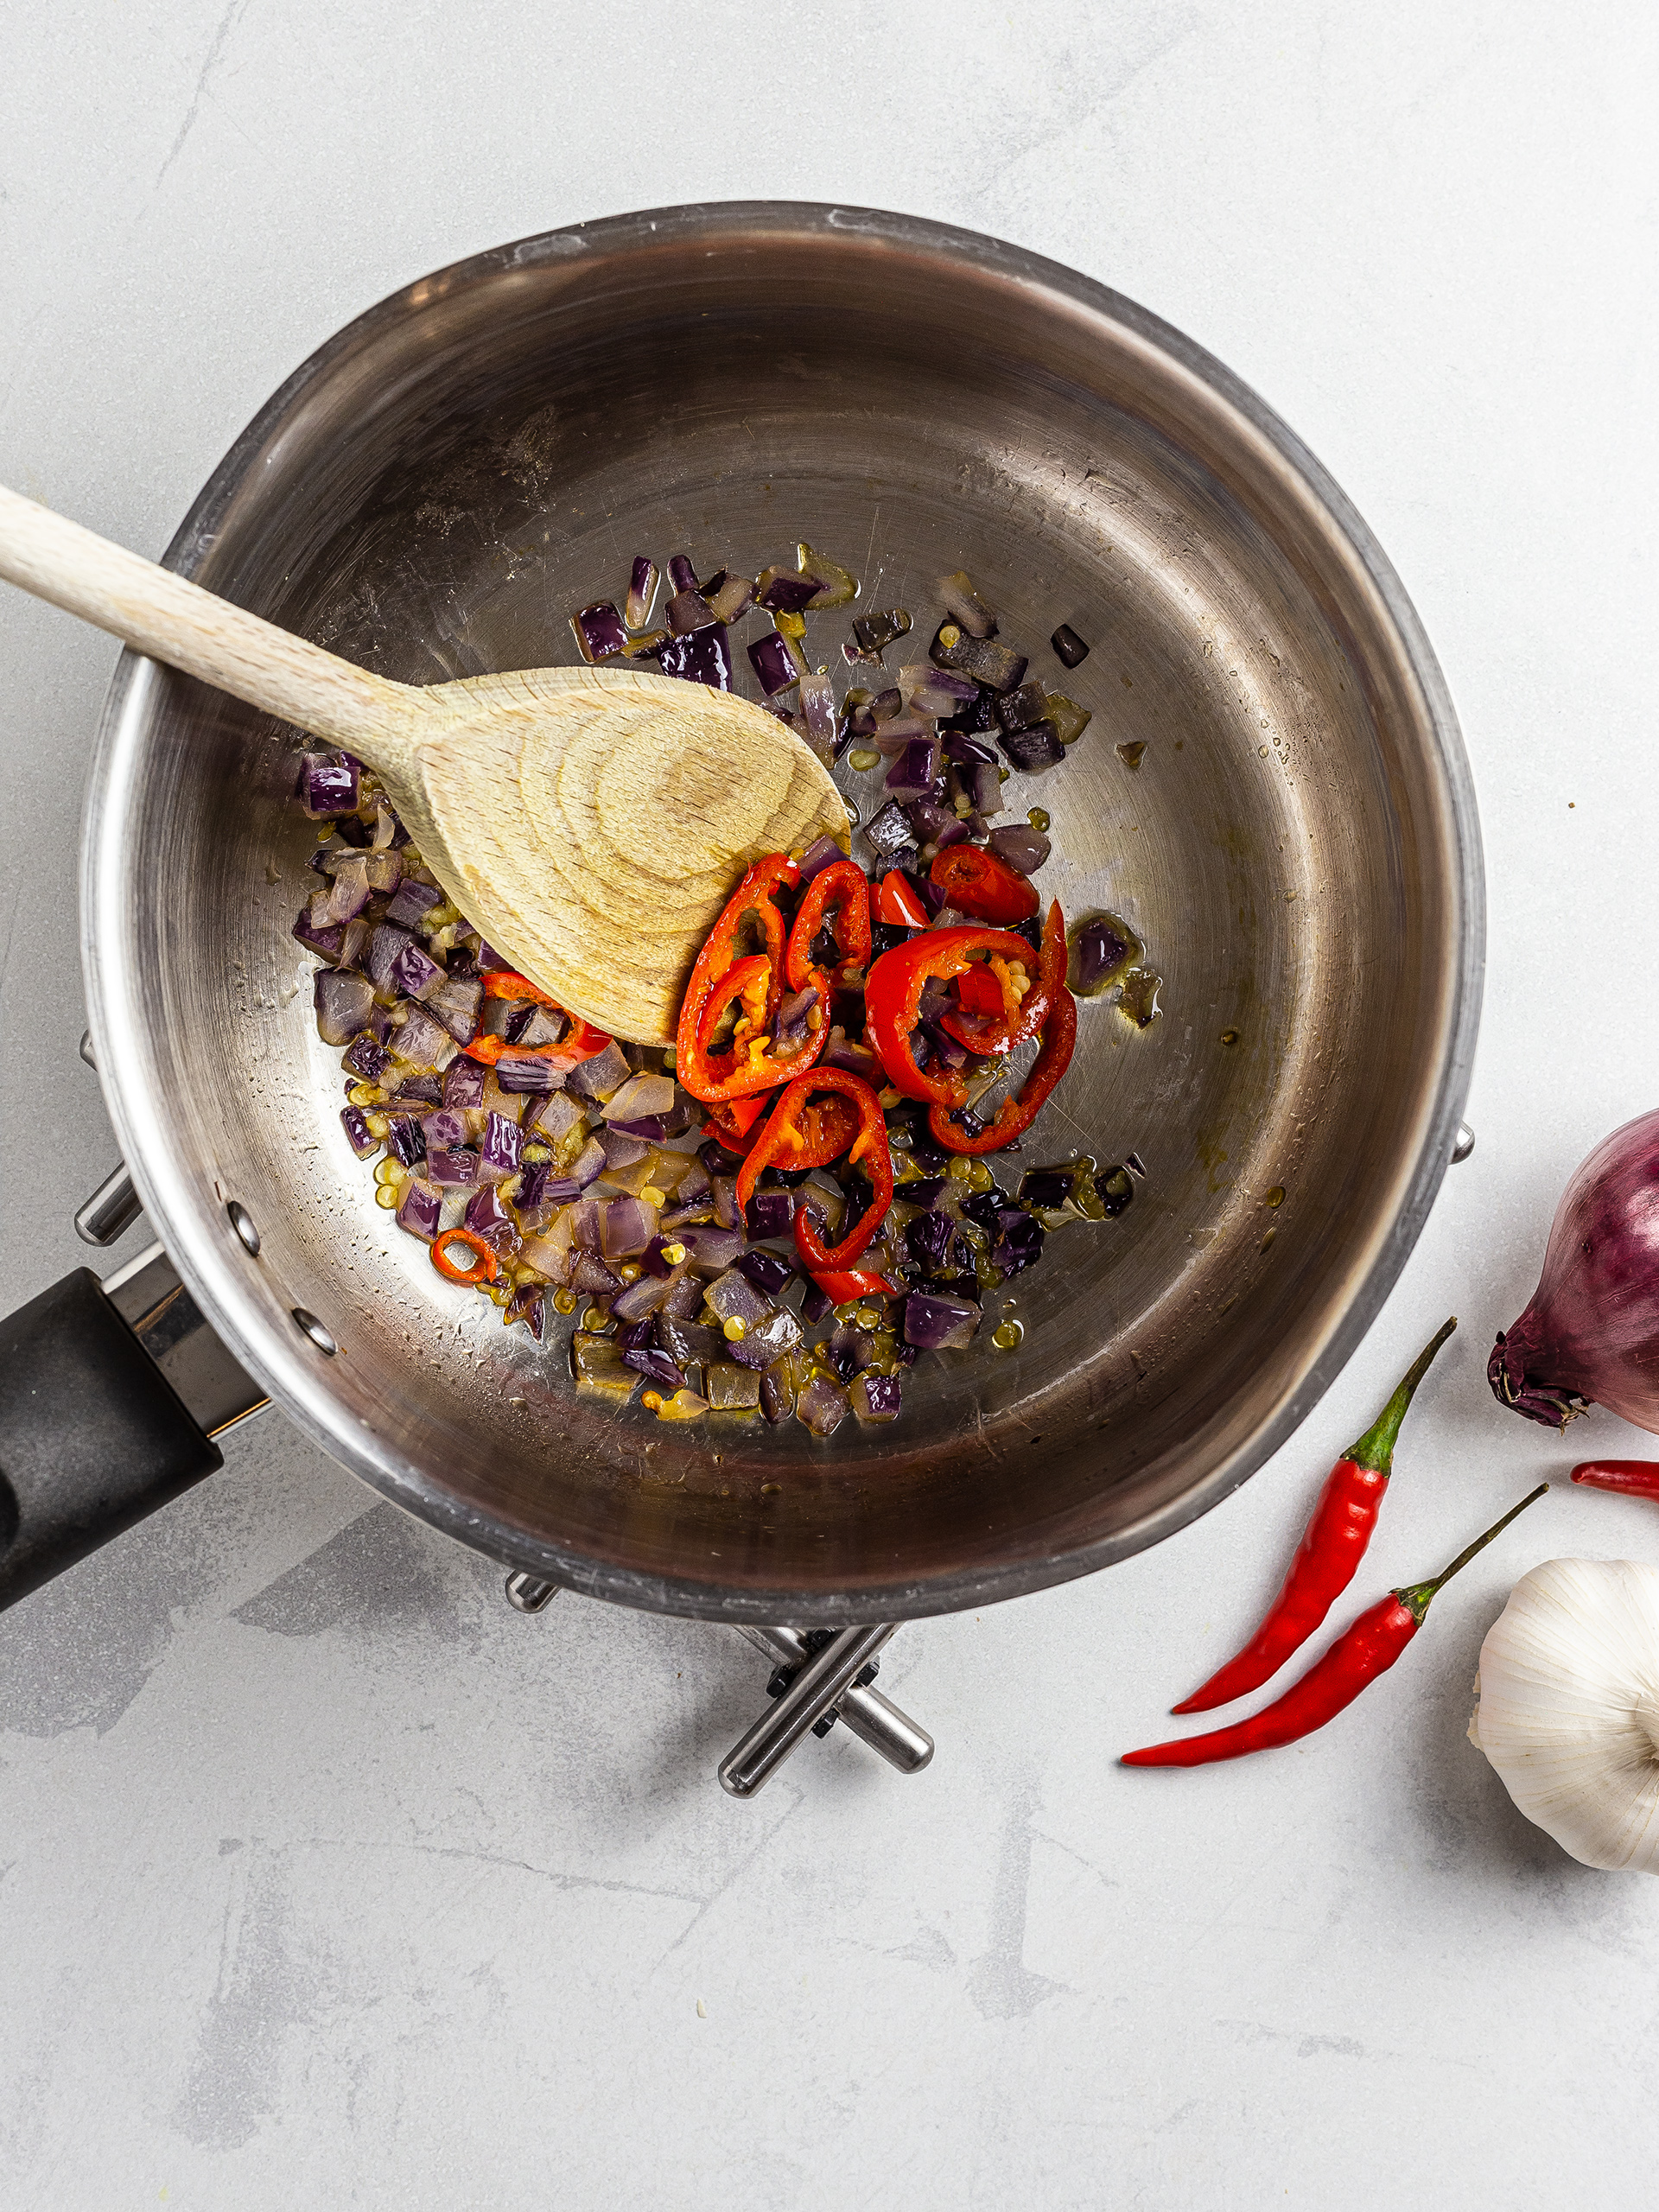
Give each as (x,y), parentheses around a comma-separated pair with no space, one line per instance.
(1567,1707)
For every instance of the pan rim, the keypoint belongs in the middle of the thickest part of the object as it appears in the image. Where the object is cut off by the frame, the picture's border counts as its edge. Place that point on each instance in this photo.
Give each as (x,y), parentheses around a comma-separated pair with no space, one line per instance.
(179,1211)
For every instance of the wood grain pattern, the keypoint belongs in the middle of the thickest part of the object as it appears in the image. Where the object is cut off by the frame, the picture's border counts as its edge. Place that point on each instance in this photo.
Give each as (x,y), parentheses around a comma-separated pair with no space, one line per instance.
(590,821)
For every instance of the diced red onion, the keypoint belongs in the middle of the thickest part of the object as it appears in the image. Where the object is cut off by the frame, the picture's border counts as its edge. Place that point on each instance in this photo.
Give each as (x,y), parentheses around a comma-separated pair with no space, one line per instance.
(911,775)
(463,1084)
(987,793)
(822,1407)
(386,947)
(588,1165)
(501,1151)
(640,1299)
(768,1271)
(724,1194)
(421,1042)
(642,590)
(639,1095)
(414,972)
(355,1124)
(733,600)
(854,1058)
(774,663)
(817,857)
(403,1140)
(384,870)
(891,736)
(656,1366)
(521,1072)
(348,894)
(420,1209)
(1022,846)
(818,705)
(366,1056)
(705,657)
(598,1078)
(878,1397)
(600,630)
(342,1002)
(769,1214)
(412,899)
(992,665)
(444,1130)
(488,1219)
(552,1117)
(328,784)
(621,1151)
(630,1224)
(1096,951)
(1026,705)
(791,1028)
(714,1250)
(687,613)
(529,1305)
(767,1340)
(591,1274)
(966,606)
(782,593)
(887,831)
(936,1321)
(1034,749)
(735,1298)
(456,1003)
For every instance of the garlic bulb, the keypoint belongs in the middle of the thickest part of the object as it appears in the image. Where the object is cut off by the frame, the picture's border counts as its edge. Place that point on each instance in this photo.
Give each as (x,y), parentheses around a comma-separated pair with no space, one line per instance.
(1567,1706)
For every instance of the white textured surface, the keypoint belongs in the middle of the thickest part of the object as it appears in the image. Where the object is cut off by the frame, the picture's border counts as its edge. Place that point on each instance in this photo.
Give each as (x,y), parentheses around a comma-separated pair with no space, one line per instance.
(326,1879)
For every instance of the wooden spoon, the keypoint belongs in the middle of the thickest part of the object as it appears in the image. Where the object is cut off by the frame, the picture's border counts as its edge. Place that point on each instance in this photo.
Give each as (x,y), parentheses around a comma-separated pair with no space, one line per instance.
(589,822)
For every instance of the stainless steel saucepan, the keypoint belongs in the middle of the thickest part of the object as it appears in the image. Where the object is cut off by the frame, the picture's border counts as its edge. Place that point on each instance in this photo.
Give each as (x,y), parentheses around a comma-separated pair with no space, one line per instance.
(433,494)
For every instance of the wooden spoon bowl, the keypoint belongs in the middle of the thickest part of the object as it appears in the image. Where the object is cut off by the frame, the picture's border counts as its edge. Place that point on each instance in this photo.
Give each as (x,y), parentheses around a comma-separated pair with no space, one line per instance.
(589,822)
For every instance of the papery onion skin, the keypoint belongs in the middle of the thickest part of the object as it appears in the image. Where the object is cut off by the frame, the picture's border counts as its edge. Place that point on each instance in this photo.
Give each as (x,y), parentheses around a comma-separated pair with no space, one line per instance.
(1590,1333)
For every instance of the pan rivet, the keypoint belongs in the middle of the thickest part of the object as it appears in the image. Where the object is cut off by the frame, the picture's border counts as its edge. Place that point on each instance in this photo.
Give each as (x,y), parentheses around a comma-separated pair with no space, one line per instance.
(242,1223)
(314,1330)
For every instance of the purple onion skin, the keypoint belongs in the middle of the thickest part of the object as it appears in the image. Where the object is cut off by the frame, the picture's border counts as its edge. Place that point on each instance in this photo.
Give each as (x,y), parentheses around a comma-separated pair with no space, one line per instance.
(1590,1334)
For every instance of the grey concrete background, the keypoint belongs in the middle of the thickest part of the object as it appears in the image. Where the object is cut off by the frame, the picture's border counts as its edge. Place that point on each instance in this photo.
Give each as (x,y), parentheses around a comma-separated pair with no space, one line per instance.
(324,1878)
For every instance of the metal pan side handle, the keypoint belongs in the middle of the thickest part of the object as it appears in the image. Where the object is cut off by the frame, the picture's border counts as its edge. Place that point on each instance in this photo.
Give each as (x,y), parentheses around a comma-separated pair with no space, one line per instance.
(92,1436)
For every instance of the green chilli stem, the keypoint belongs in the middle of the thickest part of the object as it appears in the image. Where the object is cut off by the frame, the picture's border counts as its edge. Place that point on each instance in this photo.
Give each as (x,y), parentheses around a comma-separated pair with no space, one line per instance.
(1375,1449)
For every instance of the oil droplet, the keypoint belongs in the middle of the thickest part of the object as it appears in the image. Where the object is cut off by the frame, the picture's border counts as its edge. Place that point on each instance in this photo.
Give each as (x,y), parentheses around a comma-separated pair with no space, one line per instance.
(1133,753)
(1229,1036)
(1007,1335)
(862,758)
(1141,988)
(1275,1197)
(1038,817)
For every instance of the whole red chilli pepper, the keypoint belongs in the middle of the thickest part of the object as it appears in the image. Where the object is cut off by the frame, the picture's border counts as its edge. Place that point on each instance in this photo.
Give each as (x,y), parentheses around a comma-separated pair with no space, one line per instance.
(1633,1477)
(1366,1648)
(1329,1553)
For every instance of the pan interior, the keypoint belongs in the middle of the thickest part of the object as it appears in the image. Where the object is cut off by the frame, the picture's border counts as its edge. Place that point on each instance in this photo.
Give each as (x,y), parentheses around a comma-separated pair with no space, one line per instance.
(436,494)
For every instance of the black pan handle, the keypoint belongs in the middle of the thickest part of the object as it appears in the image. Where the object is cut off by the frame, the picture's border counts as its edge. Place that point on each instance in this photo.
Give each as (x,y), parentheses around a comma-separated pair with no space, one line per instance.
(93,1435)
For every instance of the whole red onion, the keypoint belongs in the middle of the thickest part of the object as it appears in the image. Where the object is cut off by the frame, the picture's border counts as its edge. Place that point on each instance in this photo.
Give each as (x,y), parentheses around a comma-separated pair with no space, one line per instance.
(1590,1333)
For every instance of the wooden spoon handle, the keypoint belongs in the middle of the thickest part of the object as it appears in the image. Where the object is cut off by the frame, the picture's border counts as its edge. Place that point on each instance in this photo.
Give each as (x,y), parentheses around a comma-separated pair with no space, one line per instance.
(178,622)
